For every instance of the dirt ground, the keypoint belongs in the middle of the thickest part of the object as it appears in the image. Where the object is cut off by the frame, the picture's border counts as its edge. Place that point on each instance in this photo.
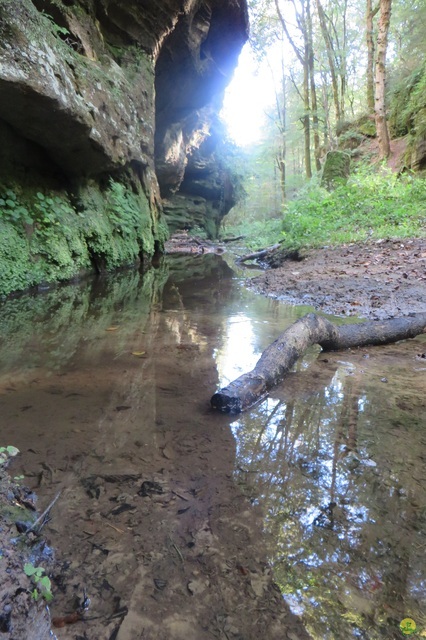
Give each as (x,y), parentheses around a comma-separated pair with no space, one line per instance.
(20,609)
(375,280)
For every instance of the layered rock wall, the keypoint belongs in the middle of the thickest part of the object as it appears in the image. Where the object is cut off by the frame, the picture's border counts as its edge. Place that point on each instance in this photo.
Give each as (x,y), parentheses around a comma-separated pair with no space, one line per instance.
(100,93)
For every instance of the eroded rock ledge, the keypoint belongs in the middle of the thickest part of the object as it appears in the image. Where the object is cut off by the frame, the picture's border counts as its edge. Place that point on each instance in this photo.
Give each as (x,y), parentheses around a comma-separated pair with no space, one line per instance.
(100,90)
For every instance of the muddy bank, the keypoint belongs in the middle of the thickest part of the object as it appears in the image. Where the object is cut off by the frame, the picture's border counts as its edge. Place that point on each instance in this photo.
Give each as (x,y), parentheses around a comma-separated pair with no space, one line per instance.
(23,611)
(374,280)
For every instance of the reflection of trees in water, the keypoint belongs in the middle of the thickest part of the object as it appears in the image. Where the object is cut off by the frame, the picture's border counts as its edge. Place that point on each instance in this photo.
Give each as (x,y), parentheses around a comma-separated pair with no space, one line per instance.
(346,544)
(47,329)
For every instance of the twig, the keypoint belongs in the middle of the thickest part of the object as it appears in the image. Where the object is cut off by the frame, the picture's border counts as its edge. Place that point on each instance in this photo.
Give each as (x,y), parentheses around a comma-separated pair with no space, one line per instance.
(179,495)
(44,514)
(115,528)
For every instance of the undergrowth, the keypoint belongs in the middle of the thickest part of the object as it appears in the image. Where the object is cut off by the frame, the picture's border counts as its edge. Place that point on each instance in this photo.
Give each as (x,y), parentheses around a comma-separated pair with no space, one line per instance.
(373,204)
(257,233)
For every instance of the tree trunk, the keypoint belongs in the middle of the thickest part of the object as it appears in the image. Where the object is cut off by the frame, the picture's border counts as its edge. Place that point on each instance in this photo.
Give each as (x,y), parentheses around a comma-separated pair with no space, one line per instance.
(277,359)
(314,103)
(380,92)
(304,61)
(306,121)
(282,128)
(370,13)
(343,55)
(331,61)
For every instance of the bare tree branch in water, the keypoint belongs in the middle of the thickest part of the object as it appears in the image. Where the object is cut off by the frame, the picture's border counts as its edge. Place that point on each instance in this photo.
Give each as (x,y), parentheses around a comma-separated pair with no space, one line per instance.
(277,359)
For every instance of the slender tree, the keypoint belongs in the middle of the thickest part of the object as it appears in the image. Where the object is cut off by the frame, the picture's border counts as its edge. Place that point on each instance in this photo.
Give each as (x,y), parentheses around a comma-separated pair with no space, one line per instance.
(302,54)
(380,79)
(333,59)
(370,13)
(280,157)
(314,103)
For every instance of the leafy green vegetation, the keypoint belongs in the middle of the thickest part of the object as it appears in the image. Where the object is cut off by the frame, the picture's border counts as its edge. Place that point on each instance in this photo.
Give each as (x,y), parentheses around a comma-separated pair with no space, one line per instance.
(408,104)
(7,452)
(42,583)
(373,204)
(45,237)
(56,29)
(257,233)
(12,210)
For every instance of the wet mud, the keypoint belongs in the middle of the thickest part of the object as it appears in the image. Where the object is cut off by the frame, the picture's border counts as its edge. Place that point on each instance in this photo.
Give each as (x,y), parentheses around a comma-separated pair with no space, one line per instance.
(373,280)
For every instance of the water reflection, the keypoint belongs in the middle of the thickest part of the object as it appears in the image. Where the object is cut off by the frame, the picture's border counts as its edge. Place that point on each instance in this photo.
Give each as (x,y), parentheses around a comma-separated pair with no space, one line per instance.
(339,470)
(105,390)
(112,378)
(48,329)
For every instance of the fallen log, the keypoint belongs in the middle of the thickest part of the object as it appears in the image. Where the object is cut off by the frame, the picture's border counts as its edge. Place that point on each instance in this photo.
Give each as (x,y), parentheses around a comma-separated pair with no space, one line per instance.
(233,239)
(259,254)
(277,359)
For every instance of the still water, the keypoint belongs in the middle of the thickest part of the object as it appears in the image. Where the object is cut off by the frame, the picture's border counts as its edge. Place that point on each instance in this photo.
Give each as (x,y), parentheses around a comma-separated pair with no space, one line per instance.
(95,377)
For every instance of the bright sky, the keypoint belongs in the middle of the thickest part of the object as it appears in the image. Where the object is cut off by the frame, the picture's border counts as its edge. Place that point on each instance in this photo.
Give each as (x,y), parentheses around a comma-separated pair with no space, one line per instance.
(246,99)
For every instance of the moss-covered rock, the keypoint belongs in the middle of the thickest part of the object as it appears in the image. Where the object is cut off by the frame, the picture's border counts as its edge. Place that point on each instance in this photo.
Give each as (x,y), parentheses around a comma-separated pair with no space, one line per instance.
(53,235)
(336,169)
(366,126)
(408,117)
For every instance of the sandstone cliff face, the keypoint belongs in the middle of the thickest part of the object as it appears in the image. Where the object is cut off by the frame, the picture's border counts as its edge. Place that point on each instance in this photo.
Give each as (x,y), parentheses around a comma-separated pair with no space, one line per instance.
(99,90)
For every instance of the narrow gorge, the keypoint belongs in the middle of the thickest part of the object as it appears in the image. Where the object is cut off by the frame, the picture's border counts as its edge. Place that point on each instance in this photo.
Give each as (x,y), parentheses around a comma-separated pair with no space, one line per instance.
(109,128)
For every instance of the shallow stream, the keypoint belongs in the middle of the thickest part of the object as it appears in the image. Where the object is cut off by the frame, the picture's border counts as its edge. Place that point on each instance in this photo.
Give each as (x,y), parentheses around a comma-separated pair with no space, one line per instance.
(105,389)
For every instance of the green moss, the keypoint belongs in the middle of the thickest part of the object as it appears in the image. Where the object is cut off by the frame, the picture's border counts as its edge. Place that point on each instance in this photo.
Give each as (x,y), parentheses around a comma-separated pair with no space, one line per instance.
(408,105)
(366,125)
(336,169)
(16,268)
(45,238)
(350,140)
(161,232)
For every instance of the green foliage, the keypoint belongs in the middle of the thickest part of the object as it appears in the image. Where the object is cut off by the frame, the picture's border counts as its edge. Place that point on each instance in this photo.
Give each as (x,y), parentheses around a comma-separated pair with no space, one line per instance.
(7,452)
(408,104)
(42,583)
(198,232)
(44,238)
(258,234)
(373,204)
(11,209)
(56,29)
(118,226)
(161,232)
(17,270)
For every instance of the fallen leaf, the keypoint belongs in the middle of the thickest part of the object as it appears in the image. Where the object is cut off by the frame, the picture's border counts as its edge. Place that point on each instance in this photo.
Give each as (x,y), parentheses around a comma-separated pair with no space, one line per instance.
(196,587)
(138,354)
(112,329)
(160,584)
(167,452)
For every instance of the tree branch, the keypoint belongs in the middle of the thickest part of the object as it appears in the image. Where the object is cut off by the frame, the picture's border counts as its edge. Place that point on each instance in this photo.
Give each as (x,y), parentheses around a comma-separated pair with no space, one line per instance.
(277,359)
